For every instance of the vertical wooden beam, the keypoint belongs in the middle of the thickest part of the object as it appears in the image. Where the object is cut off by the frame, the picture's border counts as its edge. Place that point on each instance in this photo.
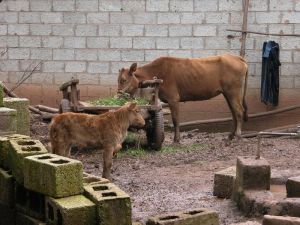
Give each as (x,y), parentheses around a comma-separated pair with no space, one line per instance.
(244,27)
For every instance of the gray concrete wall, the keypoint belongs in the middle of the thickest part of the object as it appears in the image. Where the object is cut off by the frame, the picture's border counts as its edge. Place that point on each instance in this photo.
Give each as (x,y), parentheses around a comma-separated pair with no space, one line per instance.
(93,39)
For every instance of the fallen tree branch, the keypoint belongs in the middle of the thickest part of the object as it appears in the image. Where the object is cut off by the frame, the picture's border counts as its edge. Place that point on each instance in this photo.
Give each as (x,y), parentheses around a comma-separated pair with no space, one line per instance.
(47,109)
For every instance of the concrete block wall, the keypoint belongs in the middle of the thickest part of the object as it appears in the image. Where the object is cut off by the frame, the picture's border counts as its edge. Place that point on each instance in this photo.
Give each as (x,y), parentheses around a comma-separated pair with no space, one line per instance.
(93,39)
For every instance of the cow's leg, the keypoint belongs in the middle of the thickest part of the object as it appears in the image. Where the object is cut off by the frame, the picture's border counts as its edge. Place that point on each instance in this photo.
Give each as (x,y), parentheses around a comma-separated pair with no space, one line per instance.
(107,161)
(232,133)
(174,107)
(238,111)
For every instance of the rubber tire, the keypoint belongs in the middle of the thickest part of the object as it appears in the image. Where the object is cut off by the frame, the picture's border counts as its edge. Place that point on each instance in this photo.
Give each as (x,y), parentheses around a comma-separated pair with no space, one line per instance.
(155,131)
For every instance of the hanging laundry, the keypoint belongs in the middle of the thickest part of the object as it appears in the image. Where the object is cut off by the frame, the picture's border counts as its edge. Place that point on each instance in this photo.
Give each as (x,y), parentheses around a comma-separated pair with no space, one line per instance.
(270,73)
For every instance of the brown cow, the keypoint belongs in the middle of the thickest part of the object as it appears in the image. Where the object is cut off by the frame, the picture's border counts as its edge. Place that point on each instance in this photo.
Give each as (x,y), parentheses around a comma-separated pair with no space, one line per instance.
(192,80)
(106,131)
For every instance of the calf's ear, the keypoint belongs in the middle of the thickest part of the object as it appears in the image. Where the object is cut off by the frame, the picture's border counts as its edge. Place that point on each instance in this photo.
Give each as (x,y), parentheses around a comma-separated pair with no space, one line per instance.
(132,105)
(132,68)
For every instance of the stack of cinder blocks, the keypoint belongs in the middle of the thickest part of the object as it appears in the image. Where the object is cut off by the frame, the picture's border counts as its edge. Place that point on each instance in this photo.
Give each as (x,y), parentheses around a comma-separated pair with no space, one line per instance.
(248,184)
(41,188)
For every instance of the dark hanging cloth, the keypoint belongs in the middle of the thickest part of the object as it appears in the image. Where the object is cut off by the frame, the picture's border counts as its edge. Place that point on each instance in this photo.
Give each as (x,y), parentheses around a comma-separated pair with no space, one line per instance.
(270,73)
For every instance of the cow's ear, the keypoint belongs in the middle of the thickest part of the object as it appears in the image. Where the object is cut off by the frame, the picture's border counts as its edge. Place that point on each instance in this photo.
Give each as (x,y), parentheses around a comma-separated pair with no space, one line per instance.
(132,68)
(121,70)
(132,105)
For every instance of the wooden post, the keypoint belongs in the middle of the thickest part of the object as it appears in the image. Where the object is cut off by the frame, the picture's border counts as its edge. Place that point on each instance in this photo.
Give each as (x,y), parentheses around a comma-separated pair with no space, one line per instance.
(244,27)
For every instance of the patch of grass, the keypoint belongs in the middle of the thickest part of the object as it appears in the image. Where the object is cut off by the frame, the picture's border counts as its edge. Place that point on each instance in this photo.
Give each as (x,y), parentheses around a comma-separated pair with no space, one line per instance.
(137,152)
(182,148)
(118,100)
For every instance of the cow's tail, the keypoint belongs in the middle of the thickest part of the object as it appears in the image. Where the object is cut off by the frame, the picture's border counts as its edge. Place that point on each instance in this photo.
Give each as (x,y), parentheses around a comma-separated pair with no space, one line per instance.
(245,113)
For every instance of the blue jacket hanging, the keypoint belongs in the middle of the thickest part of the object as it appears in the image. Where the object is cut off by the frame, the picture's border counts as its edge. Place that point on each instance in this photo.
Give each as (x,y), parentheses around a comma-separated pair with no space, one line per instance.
(270,73)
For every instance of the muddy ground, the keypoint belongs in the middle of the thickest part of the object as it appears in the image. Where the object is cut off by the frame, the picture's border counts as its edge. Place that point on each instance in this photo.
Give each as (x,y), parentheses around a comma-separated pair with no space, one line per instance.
(180,178)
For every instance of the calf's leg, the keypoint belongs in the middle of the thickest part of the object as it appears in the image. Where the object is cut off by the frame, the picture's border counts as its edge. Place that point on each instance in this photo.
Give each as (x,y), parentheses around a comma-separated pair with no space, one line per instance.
(232,133)
(107,161)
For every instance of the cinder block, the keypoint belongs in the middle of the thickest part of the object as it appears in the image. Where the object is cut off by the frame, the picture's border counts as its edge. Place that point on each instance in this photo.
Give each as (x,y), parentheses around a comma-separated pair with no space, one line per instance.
(63,54)
(4,148)
(132,30)
(53,175)
(167,43)
(7,215)
(19,149)
(168,18)
(29,202)
(192,217)
(122,42)
(8,121)
(110,201)
(6,189)
(22,219)
(89,179)
(253,173)
(224,181)
(23,118)
(86,30)
(74,17)
(290,207)
(70,211)
(30,41)
(78,67)
(18,29)
(86,54)
(293,187)
(280,220)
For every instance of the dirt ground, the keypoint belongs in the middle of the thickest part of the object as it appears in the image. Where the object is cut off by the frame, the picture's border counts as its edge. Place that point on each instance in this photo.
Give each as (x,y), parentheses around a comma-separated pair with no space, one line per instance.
(173,180)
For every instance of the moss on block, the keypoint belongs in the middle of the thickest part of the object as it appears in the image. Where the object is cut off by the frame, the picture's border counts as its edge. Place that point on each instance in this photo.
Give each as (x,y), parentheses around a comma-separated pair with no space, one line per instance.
(4,147)
(193,217)
(53,175)
(1,94)
(6,188)
(19,149)
(70,211)
(21,106)
(7,215)
(22,219)
(113,205)
(8,121)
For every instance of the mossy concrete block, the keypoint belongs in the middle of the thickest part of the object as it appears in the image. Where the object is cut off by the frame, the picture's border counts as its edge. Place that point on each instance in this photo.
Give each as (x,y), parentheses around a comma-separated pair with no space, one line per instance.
(7,185)
(7,215)
(113,205)
(8,121)
(22,219)
(252,173)
(193,217)
(30,203)
(224,182)
(280,220)
(19,149)
(92,179)
(70,211)
(1,94)
(21,106)
(293,187)
(5,146)
(53,175)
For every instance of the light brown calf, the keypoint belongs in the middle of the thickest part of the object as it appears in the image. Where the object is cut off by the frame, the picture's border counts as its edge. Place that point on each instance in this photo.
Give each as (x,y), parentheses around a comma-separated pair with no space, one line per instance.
(106,131)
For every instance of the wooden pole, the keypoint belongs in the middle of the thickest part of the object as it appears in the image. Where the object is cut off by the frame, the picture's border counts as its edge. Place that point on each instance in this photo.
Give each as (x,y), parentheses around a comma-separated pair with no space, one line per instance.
(244,27)
(263,33)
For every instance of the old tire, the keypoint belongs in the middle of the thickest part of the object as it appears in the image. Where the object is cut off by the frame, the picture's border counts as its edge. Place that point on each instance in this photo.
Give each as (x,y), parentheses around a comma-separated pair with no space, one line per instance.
(64,106)
(155,131)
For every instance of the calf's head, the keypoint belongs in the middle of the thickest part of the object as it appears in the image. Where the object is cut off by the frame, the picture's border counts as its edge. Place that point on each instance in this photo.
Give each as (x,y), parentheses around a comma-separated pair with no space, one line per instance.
(127,81)
(135,117)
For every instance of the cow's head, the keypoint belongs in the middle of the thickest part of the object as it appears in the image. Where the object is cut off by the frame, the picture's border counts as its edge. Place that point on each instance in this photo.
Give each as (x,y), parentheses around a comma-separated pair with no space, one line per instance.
(135,117)
(127,81)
